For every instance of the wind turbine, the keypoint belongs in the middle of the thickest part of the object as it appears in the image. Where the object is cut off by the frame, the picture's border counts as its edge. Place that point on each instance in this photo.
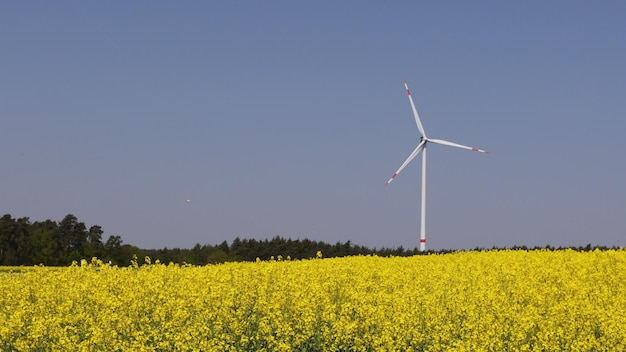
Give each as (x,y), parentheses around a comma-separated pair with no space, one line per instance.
(421,147)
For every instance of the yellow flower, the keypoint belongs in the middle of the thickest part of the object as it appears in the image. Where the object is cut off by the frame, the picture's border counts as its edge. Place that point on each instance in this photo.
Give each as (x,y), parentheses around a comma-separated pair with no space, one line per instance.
(464,301)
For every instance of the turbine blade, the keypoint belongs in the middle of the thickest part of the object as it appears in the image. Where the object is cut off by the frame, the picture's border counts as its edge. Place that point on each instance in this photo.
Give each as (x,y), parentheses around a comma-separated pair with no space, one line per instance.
(417,117)
(442,142)
(407,161)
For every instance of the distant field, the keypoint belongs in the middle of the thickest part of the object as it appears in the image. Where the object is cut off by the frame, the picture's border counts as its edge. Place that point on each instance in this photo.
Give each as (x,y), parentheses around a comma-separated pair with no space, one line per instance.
(464,301)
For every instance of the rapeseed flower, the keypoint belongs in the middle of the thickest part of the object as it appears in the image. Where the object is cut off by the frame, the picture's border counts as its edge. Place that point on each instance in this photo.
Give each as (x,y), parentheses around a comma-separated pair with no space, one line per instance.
(463,301)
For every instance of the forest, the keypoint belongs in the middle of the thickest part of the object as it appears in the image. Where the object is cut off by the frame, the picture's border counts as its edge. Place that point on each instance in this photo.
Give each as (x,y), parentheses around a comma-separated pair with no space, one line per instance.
(53,243)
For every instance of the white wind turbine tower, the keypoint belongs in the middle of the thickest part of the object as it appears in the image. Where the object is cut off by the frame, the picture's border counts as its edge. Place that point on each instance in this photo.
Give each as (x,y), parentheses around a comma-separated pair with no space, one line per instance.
(422,147)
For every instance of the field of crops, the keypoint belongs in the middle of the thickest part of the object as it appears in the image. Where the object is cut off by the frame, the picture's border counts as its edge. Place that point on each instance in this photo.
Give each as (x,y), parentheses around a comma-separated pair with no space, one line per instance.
(464,301)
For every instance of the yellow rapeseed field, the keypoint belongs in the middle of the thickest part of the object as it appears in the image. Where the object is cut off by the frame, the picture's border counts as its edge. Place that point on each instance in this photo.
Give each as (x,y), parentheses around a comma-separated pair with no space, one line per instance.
(465,301)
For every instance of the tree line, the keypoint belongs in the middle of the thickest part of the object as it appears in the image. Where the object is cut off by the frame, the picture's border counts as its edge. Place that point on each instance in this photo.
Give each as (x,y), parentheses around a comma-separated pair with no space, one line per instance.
(52,243)
(55,243)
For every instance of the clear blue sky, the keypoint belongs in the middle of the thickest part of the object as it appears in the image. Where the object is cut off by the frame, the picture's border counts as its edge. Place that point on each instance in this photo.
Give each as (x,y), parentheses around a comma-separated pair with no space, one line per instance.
(283,118)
